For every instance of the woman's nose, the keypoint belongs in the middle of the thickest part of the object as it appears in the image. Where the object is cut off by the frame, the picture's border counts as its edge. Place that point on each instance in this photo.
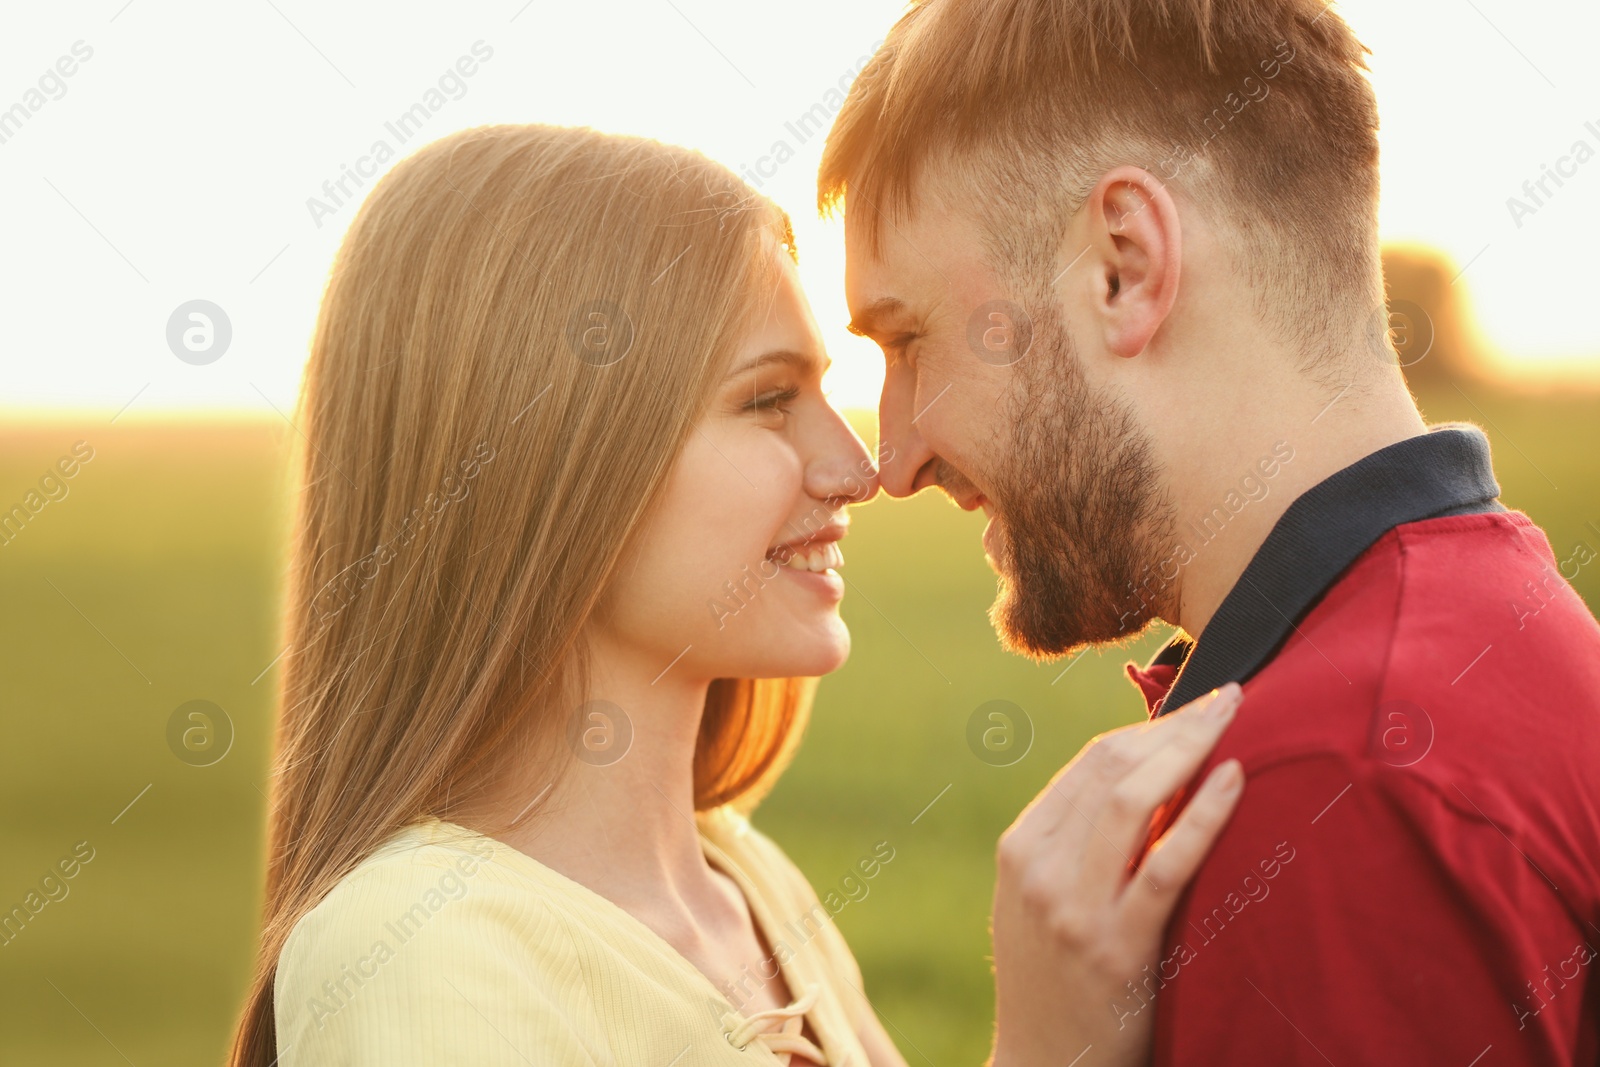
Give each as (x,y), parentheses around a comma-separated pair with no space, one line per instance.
(840,477)
(842,469)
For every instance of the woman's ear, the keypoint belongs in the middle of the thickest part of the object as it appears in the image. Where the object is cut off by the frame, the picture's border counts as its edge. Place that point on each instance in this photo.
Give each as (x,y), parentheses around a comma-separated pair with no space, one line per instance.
(1137,240)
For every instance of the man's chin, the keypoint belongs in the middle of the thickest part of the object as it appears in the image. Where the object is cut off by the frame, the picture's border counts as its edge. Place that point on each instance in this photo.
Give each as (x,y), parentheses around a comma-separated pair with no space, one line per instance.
(1050,626)
(1024,626)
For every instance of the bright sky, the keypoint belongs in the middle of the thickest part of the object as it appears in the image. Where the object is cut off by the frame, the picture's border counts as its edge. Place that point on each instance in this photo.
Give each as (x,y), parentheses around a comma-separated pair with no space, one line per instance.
(175,162)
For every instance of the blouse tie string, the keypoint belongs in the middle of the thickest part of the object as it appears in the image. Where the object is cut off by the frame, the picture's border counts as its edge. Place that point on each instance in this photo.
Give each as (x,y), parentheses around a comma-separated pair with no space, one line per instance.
(779,1028)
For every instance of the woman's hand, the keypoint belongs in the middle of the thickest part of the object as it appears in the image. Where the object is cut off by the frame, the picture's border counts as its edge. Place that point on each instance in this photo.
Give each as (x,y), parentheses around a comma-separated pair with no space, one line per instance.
(1072,926)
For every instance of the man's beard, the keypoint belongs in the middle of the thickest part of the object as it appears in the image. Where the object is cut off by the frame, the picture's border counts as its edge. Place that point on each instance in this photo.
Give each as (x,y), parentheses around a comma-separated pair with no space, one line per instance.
(1079,506)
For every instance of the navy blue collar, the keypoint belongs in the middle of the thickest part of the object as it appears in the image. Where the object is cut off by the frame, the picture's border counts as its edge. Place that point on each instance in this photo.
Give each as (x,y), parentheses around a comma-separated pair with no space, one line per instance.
(1446,471)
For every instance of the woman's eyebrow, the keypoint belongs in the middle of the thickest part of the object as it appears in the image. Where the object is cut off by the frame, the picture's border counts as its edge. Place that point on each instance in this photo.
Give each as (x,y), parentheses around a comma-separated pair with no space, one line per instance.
(802,361)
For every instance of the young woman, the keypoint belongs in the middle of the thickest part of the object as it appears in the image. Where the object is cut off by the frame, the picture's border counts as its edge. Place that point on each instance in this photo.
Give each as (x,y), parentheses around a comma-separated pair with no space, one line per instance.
(563,577)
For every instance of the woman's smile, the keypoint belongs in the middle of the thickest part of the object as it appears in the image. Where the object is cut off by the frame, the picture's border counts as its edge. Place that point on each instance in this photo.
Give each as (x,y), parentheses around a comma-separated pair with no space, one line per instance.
(814,561)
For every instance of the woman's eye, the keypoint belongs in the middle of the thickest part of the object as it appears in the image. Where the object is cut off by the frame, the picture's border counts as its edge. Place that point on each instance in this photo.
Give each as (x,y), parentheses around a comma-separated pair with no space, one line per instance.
(777,400)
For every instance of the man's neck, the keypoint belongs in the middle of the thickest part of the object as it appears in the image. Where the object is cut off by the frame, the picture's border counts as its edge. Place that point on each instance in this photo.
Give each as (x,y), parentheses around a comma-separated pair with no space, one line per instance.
(1237,489)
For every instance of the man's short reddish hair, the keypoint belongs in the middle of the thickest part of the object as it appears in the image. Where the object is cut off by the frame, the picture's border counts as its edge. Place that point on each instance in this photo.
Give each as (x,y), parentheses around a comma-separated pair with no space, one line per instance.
(1258,109)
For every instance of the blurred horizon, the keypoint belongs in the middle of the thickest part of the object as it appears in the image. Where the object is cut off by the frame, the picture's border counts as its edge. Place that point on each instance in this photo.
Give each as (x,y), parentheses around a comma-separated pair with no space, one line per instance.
(1447,342)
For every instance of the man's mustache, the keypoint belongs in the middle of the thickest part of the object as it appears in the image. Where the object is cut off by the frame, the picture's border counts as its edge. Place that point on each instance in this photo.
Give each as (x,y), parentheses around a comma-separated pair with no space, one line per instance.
(955,484)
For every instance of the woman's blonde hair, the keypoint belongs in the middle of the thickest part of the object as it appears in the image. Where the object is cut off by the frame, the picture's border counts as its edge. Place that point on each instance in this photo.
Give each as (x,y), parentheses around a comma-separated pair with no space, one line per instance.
(521,328)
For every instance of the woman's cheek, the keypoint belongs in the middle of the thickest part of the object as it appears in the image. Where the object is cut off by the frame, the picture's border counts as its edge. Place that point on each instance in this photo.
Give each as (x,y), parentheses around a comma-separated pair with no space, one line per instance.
(730,506)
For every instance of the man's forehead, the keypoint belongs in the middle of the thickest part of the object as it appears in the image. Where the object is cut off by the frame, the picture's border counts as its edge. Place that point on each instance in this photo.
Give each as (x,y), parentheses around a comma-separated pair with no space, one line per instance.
(917,264)
(882,277)
(879,293)
(873,237)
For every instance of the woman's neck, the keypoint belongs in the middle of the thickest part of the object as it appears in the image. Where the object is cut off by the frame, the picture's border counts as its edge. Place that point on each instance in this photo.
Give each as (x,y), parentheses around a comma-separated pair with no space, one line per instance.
(620,821)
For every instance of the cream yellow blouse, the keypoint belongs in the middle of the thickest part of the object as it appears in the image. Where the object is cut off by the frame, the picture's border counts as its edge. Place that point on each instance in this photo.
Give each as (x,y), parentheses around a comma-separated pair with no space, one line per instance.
(448,947)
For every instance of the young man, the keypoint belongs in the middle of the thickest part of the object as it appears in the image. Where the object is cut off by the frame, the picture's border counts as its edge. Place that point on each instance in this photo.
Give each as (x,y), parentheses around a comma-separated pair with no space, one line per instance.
(1122,260)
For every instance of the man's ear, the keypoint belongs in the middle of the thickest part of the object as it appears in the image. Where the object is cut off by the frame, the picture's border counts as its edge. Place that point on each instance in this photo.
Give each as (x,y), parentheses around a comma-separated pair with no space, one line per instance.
(1136,255)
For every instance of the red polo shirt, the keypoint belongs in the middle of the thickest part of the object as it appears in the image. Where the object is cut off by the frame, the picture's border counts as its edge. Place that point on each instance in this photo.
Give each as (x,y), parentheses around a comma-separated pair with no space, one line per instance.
(1413,873)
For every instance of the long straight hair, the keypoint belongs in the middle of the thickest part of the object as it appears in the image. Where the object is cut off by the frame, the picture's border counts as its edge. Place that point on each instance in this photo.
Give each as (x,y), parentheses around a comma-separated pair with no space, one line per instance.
(520,330)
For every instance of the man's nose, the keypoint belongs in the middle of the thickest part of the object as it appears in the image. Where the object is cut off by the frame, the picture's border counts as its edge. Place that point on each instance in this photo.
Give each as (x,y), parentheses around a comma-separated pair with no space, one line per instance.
(901,450)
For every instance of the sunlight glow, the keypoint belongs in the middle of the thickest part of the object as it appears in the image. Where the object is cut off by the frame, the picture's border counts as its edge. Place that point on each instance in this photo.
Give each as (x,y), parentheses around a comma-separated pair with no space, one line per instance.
(186,159)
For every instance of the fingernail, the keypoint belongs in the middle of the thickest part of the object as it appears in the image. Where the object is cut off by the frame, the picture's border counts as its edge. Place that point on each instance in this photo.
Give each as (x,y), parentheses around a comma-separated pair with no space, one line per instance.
(1228,777)
(1224,701)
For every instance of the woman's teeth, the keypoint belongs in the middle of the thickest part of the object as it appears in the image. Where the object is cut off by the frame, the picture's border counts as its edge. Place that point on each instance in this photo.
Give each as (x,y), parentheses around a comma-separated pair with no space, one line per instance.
(815,558)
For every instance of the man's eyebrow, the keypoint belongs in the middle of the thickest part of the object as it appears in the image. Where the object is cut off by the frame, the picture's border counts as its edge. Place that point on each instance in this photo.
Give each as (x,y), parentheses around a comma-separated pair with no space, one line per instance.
(869,322)
(802,361)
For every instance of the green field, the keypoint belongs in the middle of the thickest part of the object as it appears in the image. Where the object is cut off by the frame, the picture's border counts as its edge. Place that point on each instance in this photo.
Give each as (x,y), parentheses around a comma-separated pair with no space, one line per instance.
(152,582)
